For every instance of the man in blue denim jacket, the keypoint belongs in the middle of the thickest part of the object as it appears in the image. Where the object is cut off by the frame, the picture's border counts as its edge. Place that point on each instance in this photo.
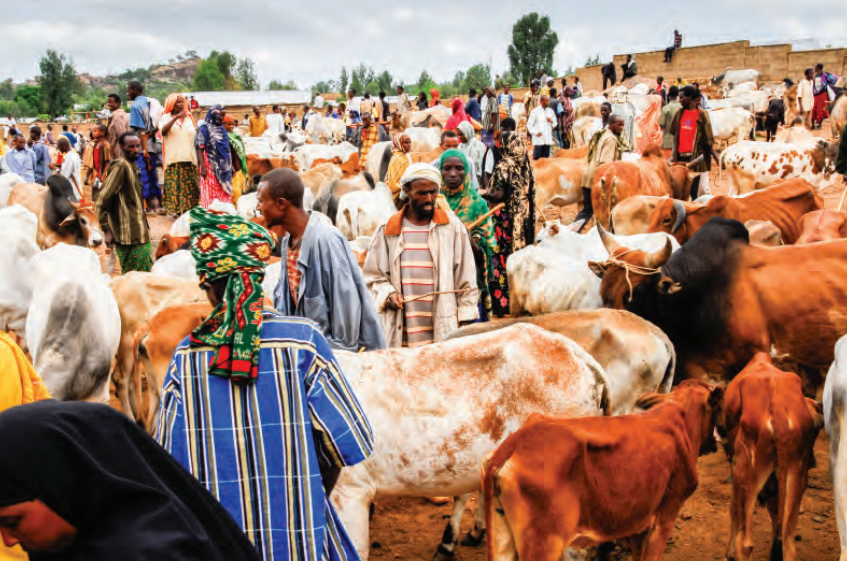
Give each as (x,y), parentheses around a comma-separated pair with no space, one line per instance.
(320,279)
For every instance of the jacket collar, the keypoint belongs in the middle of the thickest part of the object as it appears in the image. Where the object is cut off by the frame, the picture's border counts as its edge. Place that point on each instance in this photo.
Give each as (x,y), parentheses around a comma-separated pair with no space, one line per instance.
(394,226)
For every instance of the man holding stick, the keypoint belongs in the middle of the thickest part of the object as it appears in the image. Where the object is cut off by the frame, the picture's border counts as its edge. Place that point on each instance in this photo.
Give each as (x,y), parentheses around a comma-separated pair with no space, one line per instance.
(422,295)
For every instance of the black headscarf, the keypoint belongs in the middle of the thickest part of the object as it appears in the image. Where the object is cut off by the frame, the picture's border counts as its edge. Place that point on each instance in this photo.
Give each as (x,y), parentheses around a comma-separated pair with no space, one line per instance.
(127,497)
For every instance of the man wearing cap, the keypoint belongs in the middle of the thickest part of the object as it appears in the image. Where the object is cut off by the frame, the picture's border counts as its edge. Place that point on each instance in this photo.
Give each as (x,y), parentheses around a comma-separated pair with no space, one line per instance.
(320,279)
(420,268)
(277,419)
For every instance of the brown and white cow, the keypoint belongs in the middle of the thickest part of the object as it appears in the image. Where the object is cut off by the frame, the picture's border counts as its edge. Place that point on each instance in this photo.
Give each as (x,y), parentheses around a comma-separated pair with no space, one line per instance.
(822,226)
(770,431)
(261,166)
(756,165)
(746,299)
(617,181)
(61,219)
(558,181)
(349,169)
(783,204)
(559,483)
(632,216)
(315,178)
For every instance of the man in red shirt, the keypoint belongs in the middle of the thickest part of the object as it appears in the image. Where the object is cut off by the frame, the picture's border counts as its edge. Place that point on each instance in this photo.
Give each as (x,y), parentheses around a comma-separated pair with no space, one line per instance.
(693,141)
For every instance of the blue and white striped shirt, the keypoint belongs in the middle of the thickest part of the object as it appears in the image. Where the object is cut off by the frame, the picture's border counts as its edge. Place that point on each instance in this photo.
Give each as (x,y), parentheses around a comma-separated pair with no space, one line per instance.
(255,447)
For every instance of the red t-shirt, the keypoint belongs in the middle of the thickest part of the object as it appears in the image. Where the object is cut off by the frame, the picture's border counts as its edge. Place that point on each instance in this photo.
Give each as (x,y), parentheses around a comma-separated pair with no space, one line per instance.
(688,130)
(193,104)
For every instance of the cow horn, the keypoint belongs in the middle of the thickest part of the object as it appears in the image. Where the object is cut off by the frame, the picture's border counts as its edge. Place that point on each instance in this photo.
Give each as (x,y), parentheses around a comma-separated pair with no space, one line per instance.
(609,242)
(659,257)
(680,215)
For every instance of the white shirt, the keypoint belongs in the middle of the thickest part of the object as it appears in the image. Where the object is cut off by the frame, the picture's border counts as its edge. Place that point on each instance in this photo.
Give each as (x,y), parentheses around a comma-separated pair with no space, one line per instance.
(537,123)
(319,101)
(179,142)
(805,96)
(71,165)
(276,124)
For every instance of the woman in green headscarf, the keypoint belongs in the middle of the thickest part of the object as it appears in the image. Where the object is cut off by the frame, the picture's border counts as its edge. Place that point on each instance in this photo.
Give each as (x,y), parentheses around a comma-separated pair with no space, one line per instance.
(469,207)
(239,159)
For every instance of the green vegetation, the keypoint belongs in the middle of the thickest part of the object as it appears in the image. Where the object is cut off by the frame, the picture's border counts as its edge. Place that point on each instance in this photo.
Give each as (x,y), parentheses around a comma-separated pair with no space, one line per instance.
(532,48)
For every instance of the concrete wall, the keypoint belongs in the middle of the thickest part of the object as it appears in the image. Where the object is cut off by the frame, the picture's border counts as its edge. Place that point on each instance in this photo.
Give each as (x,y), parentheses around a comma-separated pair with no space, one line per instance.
(700,63)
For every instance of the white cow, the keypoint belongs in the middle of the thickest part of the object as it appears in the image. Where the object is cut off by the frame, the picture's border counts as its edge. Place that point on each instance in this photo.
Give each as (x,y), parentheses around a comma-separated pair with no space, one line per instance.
(732,123)
(246,206)
(519,113)
(424,139)
(756,165)
(308,153)
(553,276)
(7,183)
(740,89)
(459,412)
(73,325)
(179,264)
(835,420)
(584,128)
(18,230)
(260,146)
(439,115)
(360,213)
(731,76)
(325,130)
(755,102)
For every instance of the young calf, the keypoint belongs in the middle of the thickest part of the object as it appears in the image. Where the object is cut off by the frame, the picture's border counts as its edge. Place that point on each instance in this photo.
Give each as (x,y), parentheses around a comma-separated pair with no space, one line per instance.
(558,482)
(771,430)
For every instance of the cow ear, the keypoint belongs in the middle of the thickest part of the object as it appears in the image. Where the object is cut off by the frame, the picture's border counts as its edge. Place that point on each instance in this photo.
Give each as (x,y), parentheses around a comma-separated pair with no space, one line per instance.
(69,219)
(598,269)
(667,286)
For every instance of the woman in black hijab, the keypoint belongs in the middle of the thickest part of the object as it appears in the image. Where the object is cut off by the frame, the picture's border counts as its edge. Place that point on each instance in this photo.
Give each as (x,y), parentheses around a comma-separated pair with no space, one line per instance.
(80,481)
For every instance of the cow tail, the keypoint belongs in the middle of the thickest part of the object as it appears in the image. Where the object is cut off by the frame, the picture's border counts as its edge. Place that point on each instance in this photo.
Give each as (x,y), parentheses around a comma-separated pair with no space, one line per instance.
(139,351)
(353,215)
(491,468)
(667,380)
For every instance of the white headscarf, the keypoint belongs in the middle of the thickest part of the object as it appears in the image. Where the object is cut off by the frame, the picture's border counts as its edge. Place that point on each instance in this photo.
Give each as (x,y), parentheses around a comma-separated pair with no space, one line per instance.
(421,171)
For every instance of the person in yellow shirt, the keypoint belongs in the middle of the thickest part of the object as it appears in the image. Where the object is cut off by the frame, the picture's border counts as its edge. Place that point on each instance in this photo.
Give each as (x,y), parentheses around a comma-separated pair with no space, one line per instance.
(257,125)
(19,384)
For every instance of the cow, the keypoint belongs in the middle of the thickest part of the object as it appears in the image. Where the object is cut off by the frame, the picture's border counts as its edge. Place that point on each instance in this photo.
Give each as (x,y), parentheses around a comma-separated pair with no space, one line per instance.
(8,181)
(838,115)
(330,131)
(584,128)
(632,216)
(378,159)
(783,204)
(73,324)
(553,276)
(431,116)
(797,133)
(755,165)
(474,393)
(61,217)
(732,123)
(170,244)
(349,169)
(835,420)
(328,199)
(746,299)
(291,141)
(769,431)
(424,140)
(179,264)
(558,483)
(822,226)
(18,231)
(754,102)
(314,179)
(558,181)
(310,152)
(140,296)
(730,91)
(730,76)
(360,213)
(575,153)
(635,355)
(763,233)
(617,181)
(155,344)
(360,248)
(519,114)
(256,165)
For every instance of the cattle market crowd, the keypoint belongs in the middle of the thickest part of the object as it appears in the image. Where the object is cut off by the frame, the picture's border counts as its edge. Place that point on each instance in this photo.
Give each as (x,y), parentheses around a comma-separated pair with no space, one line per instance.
(227,338)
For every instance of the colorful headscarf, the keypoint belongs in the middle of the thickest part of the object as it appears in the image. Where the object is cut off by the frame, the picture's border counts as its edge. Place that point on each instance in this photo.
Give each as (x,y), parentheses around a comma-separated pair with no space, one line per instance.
(513,174)
(237,143)
(436,97)
(170,103)
(458,116)
(213,138)
(227,246)
(397,143)
(469,206)
(400,161)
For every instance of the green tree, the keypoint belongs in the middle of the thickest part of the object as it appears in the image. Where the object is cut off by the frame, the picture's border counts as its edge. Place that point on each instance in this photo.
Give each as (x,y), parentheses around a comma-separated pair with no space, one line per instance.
(344,79)
(58,82)
(276,85)
(208,77)
(322,87)
(366,73)
(533,45)
(478,76)
(357,84)
(424,80)
(246,74)
(373,88)
(386,82)
(7,89)
(459,80)
(592,61)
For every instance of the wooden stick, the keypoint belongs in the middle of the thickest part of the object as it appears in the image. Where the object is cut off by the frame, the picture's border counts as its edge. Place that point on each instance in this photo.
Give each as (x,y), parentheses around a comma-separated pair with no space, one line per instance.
(428,294)
(482,218)
(843,194)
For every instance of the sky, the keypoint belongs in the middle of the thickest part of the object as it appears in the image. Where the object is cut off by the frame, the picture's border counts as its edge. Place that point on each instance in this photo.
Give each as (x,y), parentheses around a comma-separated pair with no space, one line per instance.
(442,36)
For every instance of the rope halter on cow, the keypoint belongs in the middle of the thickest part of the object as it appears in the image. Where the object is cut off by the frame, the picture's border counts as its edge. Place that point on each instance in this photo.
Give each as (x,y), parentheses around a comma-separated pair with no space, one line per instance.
(614,261)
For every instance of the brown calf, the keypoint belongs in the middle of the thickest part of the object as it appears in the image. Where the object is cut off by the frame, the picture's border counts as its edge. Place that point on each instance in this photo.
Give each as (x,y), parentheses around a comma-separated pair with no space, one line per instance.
(169,244)
(771,430)
(558,482)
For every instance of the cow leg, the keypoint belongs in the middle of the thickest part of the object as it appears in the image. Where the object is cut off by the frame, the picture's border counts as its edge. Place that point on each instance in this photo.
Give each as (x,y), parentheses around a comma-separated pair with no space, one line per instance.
(474,537)
(748,478)
(352,497)
(792,476)
(447,548)
(121,378)
(837,432)
(501,540)
(657,538)
(636,545)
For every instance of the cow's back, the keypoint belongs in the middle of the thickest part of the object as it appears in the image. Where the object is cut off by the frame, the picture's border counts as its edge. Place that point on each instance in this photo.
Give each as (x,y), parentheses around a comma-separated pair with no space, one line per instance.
(31,196)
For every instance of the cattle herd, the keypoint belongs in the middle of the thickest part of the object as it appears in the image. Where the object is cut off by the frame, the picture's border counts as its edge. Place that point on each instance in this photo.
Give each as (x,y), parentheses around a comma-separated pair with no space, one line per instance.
(672,325)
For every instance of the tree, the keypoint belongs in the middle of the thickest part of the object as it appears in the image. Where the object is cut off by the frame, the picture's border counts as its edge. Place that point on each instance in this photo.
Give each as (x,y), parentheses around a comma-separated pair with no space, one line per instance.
(357,84)
(459,80)
(58,82)
(191,54)
(533,45)
(246,75)
(208,77)
(424,80)
(386,82)
(344,79)
(592,61)
(7,89)
(366,73)
(277,85)
(322,87)
(478,77)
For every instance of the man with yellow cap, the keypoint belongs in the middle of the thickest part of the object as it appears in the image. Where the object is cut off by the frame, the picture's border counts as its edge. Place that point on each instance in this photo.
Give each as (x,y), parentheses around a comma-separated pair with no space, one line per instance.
(256,406)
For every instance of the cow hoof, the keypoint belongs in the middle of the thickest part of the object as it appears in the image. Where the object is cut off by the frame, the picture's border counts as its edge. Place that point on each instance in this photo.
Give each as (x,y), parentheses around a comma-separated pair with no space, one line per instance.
(441,554)
(472,541)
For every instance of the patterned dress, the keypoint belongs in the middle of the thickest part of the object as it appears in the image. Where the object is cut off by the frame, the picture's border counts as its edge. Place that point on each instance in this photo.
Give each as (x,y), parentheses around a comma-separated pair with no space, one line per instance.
(182,188)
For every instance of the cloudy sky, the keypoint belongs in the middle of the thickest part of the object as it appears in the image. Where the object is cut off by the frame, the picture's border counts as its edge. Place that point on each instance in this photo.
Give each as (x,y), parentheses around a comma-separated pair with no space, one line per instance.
(442,36)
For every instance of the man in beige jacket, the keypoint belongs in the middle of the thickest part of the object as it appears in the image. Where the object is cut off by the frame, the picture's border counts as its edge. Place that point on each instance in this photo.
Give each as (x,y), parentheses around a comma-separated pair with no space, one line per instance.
(604,148)
(420,267)
(806,98)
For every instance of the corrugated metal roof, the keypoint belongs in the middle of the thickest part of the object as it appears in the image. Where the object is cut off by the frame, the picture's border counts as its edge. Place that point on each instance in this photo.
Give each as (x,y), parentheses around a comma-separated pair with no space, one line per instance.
(275,97)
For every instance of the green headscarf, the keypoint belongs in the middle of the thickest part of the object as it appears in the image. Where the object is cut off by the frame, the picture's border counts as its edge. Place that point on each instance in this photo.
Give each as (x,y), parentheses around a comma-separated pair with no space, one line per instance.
(469,206)
(227,246)
(238,142)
